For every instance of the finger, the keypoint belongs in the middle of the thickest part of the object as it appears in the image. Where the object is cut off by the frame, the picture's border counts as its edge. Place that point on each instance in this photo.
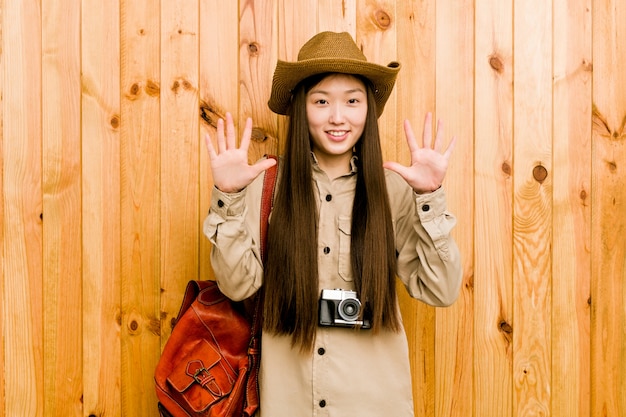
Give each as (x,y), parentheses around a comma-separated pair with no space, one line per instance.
(247,133)
(396,167)
(260,166)
(428,130)
(221,144)
(209,146)
(439,136)
(231,138)
(410,137)
(448,153)
(265,164)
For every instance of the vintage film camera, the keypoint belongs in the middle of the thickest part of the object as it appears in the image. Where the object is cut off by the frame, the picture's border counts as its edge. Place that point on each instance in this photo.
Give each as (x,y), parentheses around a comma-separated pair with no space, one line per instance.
(341,308)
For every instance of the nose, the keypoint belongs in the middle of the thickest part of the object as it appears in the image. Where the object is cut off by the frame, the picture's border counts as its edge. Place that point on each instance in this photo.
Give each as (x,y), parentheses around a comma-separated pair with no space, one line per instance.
(336,114)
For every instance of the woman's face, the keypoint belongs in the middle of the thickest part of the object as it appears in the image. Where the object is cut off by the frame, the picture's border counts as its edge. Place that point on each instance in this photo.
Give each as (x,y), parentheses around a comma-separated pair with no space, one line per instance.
(336,111)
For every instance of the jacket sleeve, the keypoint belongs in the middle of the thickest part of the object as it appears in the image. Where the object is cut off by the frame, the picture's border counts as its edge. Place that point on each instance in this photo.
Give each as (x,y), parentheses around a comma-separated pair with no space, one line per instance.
(429,262)
(232,227)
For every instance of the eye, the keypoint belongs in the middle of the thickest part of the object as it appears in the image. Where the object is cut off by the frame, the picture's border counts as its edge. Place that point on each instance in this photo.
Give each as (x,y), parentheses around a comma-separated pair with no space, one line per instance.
(353,101)
(321,101)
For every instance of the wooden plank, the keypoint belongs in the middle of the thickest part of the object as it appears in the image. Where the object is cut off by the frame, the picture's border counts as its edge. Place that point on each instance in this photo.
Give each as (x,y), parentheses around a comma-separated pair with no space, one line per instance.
(532,209)
(608,223)
(61,187)
(219,92)
(337,16)
(257,60)
(22,232)
(22,207)
(415,89)
(493,207)
(179,155)
(455,107)
(571,209)
(295,28)
(140,203)
(100,49)
(376,36)
(2,219)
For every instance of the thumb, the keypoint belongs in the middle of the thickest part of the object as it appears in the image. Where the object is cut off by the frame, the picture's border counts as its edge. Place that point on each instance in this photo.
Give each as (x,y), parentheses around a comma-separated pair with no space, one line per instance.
(396,167)
(264,164)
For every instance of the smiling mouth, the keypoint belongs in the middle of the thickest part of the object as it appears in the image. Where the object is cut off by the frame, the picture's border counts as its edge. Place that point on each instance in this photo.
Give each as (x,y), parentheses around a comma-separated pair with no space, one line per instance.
(337,133)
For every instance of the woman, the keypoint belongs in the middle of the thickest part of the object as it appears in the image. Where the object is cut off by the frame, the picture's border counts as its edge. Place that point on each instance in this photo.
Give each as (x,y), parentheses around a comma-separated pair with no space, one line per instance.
(342,229)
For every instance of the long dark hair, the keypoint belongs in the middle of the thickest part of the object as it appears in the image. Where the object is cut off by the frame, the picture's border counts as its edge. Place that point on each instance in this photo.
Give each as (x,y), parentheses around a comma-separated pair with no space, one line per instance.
(291,273)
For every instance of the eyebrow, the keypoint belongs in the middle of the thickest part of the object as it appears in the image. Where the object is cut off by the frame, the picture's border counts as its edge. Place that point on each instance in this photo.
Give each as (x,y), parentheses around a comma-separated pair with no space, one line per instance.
(351,91)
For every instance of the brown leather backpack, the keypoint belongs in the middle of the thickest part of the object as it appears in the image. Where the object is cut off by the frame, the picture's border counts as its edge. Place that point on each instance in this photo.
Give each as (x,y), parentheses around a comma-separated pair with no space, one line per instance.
(209,365)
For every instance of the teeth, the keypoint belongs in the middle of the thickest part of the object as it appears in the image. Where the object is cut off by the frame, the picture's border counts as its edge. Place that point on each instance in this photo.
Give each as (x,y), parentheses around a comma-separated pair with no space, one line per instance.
(337,133)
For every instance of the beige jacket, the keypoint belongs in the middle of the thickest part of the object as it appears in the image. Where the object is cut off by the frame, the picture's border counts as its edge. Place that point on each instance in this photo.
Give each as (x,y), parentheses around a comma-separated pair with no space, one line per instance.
(349,373)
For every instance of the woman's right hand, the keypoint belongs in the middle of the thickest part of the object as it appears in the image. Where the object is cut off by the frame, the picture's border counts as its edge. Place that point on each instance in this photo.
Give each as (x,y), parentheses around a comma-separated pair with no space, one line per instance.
(229,165)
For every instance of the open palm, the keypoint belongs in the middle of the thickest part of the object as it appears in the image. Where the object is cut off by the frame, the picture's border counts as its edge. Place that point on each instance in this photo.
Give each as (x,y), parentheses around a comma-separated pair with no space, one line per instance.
(229,163)
(428,164)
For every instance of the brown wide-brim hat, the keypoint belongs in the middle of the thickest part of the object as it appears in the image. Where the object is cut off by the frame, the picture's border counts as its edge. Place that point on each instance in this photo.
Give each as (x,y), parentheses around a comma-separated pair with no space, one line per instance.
(330,52)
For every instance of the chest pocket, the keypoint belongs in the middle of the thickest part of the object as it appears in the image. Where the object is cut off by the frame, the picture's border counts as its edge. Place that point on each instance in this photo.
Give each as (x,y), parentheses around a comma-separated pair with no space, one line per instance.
(345,266)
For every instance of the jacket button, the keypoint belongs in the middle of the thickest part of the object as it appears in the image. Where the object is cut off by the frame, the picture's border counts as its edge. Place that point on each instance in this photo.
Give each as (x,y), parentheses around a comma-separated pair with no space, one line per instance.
(323,403)
(321,351)
(329,197)
(326,250)
(220,203)
(425,207)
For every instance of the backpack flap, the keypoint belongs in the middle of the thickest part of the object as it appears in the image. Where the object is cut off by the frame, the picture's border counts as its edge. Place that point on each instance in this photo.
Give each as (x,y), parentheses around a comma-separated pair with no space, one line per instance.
(203,377)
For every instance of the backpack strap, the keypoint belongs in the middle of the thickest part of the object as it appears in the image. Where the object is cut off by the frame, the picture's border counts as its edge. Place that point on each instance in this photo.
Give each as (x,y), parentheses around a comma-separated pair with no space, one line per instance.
(254,349)
(267,202)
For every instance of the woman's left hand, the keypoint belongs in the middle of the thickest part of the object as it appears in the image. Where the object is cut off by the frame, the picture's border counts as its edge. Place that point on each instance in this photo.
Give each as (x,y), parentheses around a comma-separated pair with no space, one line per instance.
(428,164)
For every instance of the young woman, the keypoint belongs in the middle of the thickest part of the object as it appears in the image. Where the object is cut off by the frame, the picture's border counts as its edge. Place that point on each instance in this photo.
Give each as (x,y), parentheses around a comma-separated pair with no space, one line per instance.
(343,228)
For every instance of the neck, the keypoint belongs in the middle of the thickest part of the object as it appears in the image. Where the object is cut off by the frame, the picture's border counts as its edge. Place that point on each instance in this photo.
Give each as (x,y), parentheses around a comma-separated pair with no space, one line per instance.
(334,167)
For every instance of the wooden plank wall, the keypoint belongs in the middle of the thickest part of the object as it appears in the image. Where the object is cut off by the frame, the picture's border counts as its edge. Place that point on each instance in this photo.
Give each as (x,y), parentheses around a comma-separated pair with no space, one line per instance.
(104,184)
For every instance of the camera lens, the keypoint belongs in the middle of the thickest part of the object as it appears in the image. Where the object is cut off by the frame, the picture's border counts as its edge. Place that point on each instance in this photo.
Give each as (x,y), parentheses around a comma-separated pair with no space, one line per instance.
(349,309)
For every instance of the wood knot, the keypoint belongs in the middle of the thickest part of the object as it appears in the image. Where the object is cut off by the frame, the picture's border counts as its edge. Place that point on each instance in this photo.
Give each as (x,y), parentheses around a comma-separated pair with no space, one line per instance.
(210,114)
(496,63)
(540,173)
(601,125)
(505,327)
(154,326)
(134,89)
(506,330)
(115,121)
(470,283)
(177,84)
(506,168)
(253,48)
(258,135)
(612,166)
(382,19)
(152,88)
